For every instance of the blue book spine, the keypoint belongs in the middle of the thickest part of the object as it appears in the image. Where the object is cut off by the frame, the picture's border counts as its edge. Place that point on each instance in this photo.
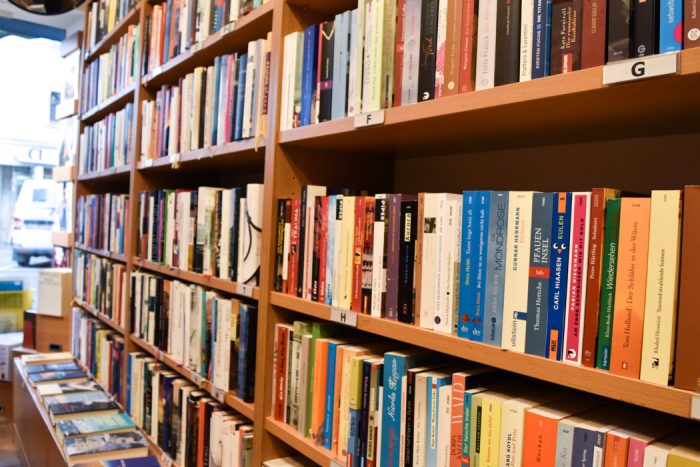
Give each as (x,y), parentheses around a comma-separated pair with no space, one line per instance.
(215,100)
(394,370)
(433,413)
(361,451)
(670,26)
(541,38)
(242,351)
(582,452)
(128,383)
(353,438)
(466,272)
(166,41)
(559,274)
(483,207)
(495,268)
(466,425)
(330,247)
(240,99)
(308,77)
(330,395)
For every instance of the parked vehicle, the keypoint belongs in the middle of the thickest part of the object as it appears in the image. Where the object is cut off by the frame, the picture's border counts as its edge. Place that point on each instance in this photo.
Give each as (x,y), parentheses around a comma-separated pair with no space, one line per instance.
(33,220)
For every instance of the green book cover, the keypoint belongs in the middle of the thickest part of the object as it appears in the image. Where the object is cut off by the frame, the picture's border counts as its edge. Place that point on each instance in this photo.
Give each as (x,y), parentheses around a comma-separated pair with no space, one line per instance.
(609,272)
(93,425)
(301,328)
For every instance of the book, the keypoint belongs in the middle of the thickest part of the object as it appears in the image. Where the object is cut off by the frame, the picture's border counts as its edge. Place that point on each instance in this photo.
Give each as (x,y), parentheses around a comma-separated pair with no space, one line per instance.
(566,36)
(559,274)
(148,461)
(593,33)
(495,268)
(486,45)
(541,38)
(619,15)
(508,37)
(55,389)
(69,410)
(51,376)
(670,26)
(106,446)
(94,425)
(427,53)
(645,32)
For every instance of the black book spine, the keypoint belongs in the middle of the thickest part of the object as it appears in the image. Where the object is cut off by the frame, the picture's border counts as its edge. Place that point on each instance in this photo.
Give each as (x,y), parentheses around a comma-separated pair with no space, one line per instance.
(233,251)
(159,313)
(216,244)
(507,42)
(646,26)
(250,353)
(407,247)
(428,38)
(279,246)
(364,414)
(316,259)
(619,30)
(302,243)
(325,84)
(410,398)
(154,227)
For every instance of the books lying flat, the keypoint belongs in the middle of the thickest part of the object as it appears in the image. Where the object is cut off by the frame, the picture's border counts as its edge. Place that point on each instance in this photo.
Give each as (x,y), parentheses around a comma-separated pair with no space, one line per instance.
(52,367)
(149,461)
(82,409)
(42,358)
(64,376)
(105,447)
(94,396)
(57,389)
(283,462)
(117,423)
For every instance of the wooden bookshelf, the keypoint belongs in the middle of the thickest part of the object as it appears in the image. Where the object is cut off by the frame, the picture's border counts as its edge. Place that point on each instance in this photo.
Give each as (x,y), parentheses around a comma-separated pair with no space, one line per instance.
(637,136)
(101,316)
(113,36)
(103,253)
(214,283)
(67,109)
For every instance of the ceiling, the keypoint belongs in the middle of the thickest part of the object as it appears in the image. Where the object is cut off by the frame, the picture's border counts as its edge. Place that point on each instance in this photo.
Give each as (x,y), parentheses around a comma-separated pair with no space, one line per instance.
(71,21)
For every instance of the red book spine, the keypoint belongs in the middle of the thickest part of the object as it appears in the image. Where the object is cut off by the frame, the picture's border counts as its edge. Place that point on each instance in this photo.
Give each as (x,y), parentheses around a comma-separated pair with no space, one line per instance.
(294,247)
(398,55)
(323,250)
(280,383)
(468,40)
(287,221)
(358,245)
(593,44)
(366,260)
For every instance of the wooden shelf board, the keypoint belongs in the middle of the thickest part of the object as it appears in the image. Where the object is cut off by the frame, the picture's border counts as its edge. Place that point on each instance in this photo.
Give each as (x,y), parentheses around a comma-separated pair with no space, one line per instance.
(254,25)
(324,6)
(290,436)
(101,316)
(215,283)
(236,154)
(113,36)
(102,253)
(120,173)
(62,239)
(67,109)
(246,409)
(111,104)
(64,173)
(662,398)
(568,108)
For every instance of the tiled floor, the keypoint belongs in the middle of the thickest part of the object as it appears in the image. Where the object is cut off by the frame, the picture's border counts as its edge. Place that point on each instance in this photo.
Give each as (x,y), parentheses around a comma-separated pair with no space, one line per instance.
(8,452)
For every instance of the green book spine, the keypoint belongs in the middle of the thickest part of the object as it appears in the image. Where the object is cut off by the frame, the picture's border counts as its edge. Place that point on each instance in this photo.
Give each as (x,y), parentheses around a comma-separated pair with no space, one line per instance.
(609,272)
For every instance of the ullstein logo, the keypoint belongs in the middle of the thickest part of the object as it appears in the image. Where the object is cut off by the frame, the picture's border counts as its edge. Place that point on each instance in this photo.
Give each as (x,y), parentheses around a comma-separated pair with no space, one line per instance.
(638,69)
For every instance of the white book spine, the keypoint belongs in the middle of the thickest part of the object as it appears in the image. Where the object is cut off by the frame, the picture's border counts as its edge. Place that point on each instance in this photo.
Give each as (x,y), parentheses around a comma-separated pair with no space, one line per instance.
(456,263)
(420,419)
(249,86)
(367,57)
(486,45)
(284,101)
(526,22)
(443,429)
(411,52)
(440,47)
(431,260)
(378,255)
(441,316)
(352,63)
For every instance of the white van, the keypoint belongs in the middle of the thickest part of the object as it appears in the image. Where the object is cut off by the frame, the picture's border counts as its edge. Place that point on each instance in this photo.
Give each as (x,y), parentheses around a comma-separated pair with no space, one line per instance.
(34,219)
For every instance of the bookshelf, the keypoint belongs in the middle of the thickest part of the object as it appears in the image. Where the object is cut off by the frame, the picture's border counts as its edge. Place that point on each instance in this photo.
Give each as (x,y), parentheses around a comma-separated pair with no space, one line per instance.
(636,136)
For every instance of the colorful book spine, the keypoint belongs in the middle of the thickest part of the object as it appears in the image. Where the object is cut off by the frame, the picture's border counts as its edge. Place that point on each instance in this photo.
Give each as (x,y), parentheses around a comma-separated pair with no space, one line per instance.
(495,268)
(559,270)
(670,26)
(309,74)
(409,224)
(541,33)
(483,205)
(608,282)
(467,268)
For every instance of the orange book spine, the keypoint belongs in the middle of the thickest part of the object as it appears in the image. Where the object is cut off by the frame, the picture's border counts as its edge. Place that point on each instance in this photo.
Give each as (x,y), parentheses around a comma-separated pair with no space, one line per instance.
(336,397)
(616,448)
(200,433)
(630,290)
(359,244)
(540,445)
(319,390)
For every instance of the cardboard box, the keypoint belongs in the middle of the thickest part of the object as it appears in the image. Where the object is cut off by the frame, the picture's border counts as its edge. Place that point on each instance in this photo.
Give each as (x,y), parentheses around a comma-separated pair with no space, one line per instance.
(53,333)
(55,292)
(8,341)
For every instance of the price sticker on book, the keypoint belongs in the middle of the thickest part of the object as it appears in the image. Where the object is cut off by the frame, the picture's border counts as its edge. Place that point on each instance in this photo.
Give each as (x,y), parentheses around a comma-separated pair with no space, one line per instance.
(197,379)
(346,317)
(369,119)
(245,290)
(219,394)
(640,68)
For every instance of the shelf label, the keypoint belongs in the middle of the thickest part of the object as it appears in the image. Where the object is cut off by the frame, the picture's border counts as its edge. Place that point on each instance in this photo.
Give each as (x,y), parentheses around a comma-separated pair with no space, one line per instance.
(346,317)
(335,463)
(197,378)
(166,460)
(640,68)
(369,119)
(219,394)
(245,290)
(228,28)
(156,71)
(695,407)
(146,163)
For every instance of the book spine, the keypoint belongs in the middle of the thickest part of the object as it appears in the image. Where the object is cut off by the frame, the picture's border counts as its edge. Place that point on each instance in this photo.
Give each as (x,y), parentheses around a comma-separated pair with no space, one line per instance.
(495,268)
(428,41)
(309,74)
(406,260)
(559,273)
(303,241)
(379,256)
(279,247)
(426,258)
(316,249)
(440,51)
(395,370)
(367,257)
(541,34)
(566,31)
(411,52)
(387,21)
(619,30)
(361,451)
(452,47)
(578,270)
(330,395)
(630,293)
(583,445)
(644,26)
(327,31)
(358,246)
(593,33)
(480,259)
(322,210)
(410,417)
(507,42)
(608,282)
(393,241)
(467,268)
(459,381)
(346,253)
(526,36)
(538,284)
(691,24)
(398,51)
(486,44)
(670,26)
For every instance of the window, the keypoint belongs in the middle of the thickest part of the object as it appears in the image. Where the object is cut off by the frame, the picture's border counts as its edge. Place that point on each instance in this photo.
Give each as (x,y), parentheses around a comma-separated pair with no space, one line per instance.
(55,100)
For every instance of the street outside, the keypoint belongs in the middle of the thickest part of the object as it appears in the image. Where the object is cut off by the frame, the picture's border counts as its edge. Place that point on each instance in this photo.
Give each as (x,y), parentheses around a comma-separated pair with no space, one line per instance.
(10,270)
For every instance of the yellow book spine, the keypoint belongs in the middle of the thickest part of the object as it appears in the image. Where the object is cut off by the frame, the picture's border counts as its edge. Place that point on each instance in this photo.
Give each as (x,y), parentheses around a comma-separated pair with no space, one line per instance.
(490,432)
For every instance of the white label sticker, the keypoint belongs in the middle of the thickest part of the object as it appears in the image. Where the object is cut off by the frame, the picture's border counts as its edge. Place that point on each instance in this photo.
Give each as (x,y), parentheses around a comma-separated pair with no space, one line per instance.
(346,317)
(640,68)
(695,407)
(156,71)
(369,119)
(219,394)
(228,28)
(197,379)
(146,163)
(245,290)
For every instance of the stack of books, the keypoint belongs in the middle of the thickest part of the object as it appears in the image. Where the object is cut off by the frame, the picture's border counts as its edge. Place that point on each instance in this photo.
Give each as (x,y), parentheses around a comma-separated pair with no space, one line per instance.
(101,220)
(210,231)
(107,143)
(188,425)
(103,16)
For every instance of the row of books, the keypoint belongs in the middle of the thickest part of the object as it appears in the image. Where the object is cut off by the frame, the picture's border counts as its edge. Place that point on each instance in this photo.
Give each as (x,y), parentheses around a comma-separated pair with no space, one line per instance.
(111,72)
(175,26)
(101,284)
(109,142)
(101,220)
(190,427)
(100,349)
(201,330)
(103,16)
(586,278)
(371,406)
(89,425)
(388,53)
(224,102)
(211,231)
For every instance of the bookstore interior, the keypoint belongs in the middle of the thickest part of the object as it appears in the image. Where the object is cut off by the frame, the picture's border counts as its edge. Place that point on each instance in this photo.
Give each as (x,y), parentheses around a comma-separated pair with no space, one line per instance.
(362,233)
